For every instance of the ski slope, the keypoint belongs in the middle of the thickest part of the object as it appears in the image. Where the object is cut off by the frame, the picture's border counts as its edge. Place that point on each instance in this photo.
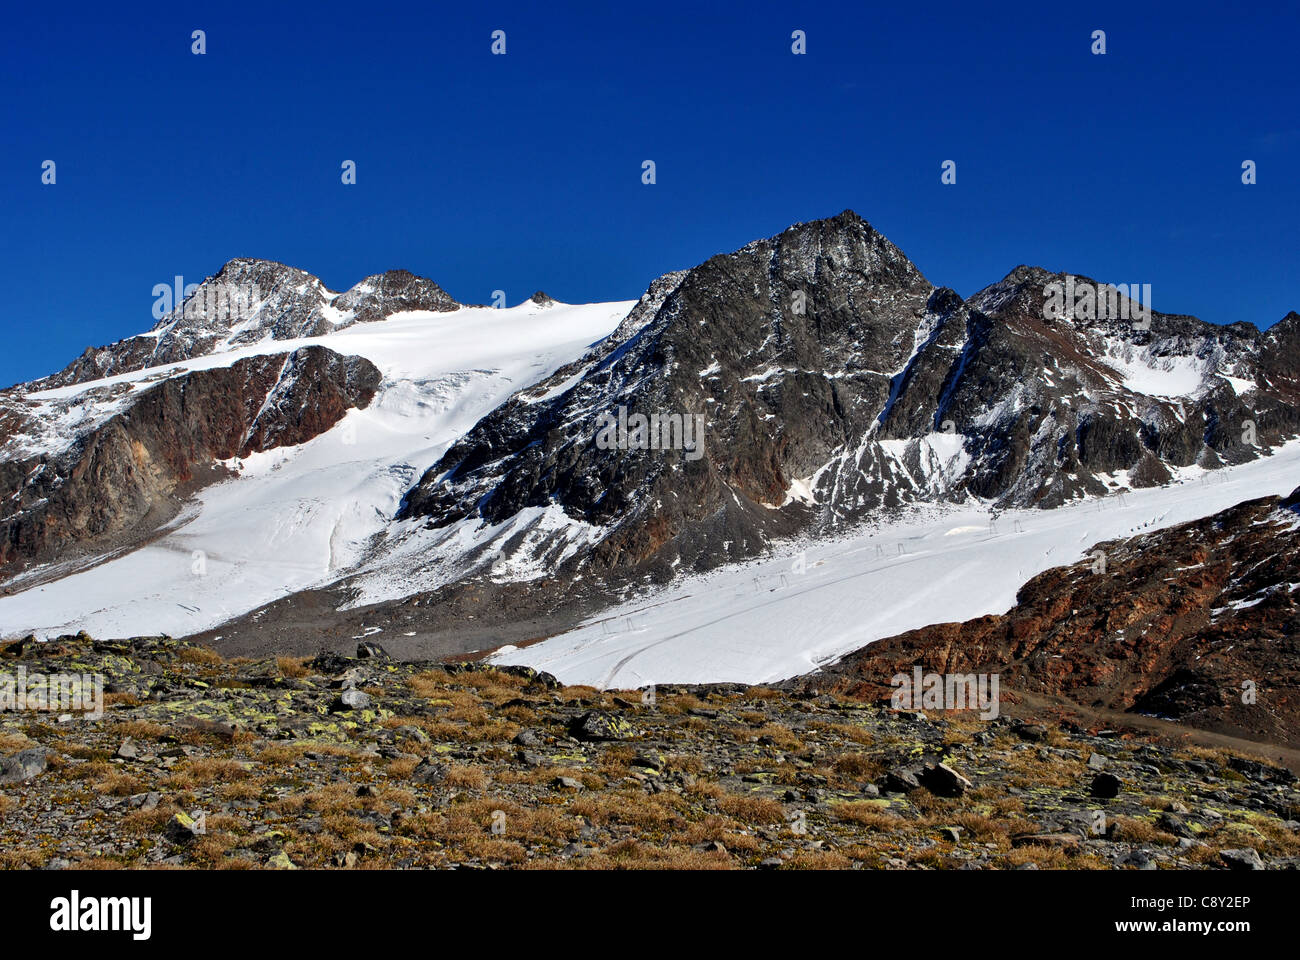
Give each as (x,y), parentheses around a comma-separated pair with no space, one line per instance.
(299,517)
(765,621)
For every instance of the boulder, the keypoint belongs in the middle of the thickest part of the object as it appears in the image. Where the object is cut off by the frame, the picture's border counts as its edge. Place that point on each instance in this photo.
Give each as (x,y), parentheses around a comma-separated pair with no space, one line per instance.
(1105,786)
(430,772)
(350,700)
(1244,858)
(943,781)
(597,725)
(24,765)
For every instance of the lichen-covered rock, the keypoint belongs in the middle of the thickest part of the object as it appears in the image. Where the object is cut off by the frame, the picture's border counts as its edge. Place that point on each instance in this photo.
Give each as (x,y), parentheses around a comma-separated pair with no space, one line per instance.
(596,725)
(182,828)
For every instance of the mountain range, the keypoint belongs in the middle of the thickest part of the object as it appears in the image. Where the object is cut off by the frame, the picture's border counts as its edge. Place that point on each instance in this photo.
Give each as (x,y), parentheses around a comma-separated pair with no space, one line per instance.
(275,463)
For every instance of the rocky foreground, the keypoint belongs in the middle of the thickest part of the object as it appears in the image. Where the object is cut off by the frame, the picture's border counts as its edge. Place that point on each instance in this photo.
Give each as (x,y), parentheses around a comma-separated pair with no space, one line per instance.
(371,763)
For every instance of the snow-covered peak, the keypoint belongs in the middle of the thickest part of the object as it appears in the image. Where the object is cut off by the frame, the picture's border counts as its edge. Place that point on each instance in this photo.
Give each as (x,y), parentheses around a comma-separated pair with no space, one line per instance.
(251,301)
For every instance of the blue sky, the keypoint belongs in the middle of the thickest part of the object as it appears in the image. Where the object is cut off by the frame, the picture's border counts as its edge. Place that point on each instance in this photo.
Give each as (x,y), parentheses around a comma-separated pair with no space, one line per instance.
(523,171)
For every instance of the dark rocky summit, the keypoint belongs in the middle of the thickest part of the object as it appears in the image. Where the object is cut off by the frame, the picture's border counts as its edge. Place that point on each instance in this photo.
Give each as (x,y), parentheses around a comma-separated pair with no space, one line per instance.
(834,382)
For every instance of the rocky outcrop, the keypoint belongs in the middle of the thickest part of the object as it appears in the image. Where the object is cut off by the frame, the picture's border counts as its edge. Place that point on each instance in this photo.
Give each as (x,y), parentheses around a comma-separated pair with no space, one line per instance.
(381,296)
(120,477)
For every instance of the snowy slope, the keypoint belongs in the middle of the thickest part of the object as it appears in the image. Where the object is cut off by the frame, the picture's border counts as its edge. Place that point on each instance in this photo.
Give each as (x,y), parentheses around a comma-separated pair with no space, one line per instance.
(765,621)
(301,516)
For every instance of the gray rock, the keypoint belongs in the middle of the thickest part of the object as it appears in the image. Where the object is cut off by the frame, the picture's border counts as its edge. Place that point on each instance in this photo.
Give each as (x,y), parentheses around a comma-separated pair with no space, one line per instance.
(182,828)
(350,700)
(900,780)
(430,772)
(1170,823)
(1245,858)
(649,761)
(1030,731)
(596,725)
(24,765)
(1141,859)
(412,733)
(943,781)
(1105,786)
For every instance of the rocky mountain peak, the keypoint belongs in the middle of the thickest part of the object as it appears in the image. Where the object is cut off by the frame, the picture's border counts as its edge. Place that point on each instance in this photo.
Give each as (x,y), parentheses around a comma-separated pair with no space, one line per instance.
(396,291)
(1288,328)
(844,242)
(833,381)
(249,301)
(258,270)
(778,349)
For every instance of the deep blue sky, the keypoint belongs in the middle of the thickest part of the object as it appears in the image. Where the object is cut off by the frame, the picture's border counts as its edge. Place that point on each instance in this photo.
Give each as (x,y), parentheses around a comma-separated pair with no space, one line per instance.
(523,172)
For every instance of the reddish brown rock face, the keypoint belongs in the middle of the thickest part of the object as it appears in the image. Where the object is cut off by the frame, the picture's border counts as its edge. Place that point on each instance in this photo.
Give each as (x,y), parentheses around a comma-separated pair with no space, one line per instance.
(1189,623)
(120,479)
